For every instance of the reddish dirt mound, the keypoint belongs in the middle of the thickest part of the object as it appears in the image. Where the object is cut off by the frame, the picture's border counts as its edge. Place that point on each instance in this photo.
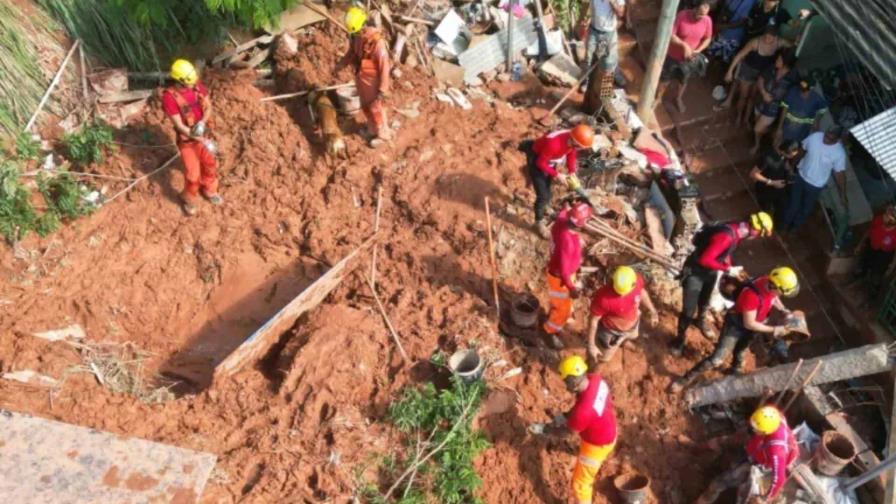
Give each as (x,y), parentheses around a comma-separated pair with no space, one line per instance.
(297,426)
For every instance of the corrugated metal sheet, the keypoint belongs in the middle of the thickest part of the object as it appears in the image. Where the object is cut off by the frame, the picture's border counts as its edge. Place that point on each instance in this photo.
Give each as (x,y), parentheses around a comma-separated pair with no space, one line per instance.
(878,135)
(868,28)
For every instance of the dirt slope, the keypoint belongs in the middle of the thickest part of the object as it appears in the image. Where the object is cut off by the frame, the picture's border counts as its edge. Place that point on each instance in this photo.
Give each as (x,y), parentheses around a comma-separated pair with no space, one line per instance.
(296,427)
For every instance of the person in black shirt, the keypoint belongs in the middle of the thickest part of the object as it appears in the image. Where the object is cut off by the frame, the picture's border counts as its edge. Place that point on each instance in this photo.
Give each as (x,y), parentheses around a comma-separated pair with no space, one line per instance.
(777,168)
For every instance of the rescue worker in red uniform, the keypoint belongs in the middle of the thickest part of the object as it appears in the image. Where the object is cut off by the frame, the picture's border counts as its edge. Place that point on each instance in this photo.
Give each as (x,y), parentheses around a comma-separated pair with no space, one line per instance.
(747,317)
(713,249)
(772,448)
(566,258)
(616,314)
(879,248)
(189,108)
(594,418)
(545,156)
(369,56)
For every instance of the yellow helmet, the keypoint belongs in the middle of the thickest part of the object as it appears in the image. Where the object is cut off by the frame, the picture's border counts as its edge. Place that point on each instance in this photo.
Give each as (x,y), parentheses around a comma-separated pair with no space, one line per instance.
(355,17)
(572,366)
(785,281)
(763,223)
(184,72)
(766,420)
(624,280)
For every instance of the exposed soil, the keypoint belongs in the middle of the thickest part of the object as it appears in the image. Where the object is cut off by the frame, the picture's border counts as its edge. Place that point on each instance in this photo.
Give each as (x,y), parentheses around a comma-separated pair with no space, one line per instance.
(297,426)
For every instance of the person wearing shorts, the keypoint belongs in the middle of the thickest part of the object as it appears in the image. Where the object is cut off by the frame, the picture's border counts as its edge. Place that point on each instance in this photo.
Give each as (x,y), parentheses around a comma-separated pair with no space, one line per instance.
(771,86)
(691,35)
(756,56)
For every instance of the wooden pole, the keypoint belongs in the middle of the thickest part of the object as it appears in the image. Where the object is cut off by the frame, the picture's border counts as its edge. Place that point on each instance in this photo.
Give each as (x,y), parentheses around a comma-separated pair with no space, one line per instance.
(325,14)
(510,36)
(386,318)
(808,379)
(83,72)
(569,93)
(657,57)
(376,227)
(491,255)
(303,93)
(53,83)
(783,391)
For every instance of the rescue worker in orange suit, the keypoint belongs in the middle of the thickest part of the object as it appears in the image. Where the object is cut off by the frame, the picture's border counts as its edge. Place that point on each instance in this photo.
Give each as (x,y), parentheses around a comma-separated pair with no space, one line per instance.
(747,318)
(616,314)
(189,108)
(566,257)
(772,448)
(713,248)
(594,418)
(369,56)
(545,156)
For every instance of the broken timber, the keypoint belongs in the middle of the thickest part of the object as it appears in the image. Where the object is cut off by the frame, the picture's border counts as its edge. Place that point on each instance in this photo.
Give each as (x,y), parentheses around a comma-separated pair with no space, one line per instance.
(866,360)
(265,337)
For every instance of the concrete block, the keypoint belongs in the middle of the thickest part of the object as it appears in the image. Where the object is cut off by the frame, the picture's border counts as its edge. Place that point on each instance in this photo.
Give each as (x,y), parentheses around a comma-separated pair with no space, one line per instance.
(560,70)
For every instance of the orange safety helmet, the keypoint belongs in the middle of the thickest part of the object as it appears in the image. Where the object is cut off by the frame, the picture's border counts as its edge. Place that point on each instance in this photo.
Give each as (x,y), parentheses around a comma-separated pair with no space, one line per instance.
(580,213)
(583,135)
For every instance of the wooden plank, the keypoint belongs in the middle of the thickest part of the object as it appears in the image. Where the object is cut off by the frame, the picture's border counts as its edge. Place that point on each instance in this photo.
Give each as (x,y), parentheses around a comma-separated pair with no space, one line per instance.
(46,461)
(861,361)
(264,39)
(257,344)
(126,96)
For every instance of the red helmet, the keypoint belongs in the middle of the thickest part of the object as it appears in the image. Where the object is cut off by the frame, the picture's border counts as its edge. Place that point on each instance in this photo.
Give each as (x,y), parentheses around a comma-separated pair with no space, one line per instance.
(583,136)
(580,213)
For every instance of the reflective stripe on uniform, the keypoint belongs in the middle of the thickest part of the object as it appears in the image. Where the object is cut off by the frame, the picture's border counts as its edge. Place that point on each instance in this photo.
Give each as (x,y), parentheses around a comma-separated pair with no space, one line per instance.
(588,461)
(801,120)
(551,325)
(558,294)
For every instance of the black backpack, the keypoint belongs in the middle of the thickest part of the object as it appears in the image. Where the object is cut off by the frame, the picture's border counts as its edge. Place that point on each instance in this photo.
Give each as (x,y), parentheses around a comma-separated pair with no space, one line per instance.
(701,238)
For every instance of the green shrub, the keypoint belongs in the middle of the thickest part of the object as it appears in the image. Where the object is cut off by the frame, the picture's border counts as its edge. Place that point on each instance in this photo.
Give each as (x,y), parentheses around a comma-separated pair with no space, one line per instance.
(64,197)
(17,215)
(86,146)
(27,148)
(436,422)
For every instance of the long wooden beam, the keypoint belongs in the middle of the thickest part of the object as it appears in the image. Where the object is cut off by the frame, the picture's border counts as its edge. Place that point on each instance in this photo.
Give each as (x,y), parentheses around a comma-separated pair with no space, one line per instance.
(259,342)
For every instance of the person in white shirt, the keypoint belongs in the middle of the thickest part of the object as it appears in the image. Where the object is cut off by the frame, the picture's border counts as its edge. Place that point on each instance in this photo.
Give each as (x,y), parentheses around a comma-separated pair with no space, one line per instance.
(602,37)
(823,155)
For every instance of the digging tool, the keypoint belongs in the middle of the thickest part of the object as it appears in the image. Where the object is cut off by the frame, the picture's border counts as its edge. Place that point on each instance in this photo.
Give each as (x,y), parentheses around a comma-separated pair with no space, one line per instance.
(491,256)
(303,93)
(567,95)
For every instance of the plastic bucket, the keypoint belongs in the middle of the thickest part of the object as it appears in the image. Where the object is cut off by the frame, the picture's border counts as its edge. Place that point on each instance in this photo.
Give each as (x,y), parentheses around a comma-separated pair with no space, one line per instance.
(348,100)
(834,452)
(524,311)
(632,487)
(467,365)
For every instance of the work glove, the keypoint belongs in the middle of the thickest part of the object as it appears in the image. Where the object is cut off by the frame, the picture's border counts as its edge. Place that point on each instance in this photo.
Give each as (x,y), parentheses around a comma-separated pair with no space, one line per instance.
(198,130)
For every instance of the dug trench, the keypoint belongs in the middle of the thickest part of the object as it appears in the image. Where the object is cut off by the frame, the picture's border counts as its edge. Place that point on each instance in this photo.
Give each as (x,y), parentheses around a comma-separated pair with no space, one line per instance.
(302,423)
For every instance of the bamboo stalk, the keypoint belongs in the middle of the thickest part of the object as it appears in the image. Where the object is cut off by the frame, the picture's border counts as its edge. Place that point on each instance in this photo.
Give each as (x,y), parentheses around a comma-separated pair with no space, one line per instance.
(796,371)
(570,92)
(303,93)
(417,20)
(386,318)
(53,83)
(327,15)
(637,248)
(808,379)
(376,227)
(491,256)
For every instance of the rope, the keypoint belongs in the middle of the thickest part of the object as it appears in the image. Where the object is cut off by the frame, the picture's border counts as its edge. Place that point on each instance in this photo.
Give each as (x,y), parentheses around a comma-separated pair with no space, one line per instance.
(172,144)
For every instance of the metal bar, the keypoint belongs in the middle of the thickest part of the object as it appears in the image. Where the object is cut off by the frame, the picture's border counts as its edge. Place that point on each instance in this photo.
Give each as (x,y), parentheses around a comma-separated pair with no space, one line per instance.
(657,56)
(870,474)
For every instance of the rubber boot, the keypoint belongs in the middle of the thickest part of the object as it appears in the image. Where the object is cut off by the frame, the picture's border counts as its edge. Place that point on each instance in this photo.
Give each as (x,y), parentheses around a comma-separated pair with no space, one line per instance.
(706,326)
(677,345)
(542,228)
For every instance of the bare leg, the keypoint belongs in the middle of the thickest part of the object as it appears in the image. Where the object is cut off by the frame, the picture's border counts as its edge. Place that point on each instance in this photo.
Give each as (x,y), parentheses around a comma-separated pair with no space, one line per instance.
(743,99)
(679,98)
(759,130)
(660,92)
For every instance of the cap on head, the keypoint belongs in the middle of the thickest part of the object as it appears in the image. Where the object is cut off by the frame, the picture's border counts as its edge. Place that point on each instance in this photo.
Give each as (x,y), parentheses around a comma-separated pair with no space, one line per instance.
(583,136)
(184,72)
(355,17)
(785,281)
(762,223)
(766,420)
(580,213)
(624,280)
(572,366)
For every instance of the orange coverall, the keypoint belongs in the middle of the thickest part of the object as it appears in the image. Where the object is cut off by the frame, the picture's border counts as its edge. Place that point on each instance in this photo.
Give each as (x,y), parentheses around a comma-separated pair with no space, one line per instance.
(200,166)
(368,54)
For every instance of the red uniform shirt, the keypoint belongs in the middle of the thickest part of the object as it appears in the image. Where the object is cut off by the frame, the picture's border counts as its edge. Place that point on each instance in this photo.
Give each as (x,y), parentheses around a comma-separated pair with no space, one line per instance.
(692,31)
(593,416)
(551,150)
(717,254)
(566,250)
(761,301)
(880,236)
(619,313)
(775,452)
(193,97)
